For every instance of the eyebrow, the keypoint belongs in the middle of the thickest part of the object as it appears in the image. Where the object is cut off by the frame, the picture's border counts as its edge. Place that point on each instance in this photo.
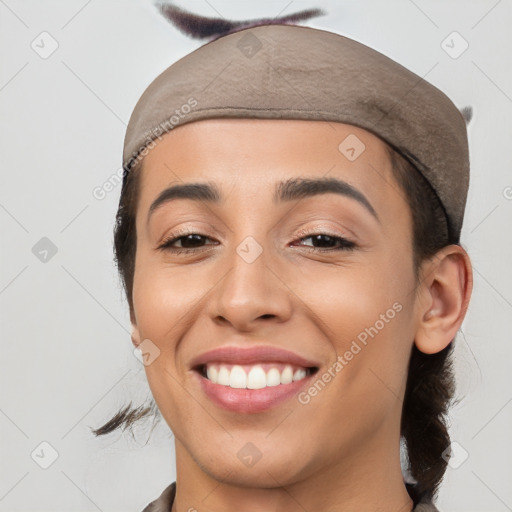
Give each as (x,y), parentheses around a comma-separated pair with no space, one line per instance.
(289,190)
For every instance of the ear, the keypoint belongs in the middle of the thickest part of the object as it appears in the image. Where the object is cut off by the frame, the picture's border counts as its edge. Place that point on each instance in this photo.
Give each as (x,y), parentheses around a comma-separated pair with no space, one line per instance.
(135,330)
(445,289)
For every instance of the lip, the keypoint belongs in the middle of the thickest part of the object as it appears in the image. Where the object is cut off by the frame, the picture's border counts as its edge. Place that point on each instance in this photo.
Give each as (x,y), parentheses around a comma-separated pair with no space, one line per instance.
(233,354)
(250,401)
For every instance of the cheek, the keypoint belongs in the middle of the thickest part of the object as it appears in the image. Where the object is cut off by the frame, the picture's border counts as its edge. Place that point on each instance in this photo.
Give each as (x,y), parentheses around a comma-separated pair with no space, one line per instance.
(366,313)
(170,304)
(163,302)
(163,305)
(349,300)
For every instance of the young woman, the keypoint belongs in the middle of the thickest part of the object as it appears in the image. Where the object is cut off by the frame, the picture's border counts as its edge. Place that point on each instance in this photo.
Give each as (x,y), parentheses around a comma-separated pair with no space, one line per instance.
(288,237)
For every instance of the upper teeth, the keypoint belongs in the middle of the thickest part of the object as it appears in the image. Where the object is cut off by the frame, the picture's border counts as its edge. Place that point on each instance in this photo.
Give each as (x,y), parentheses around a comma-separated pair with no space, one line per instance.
(255,378)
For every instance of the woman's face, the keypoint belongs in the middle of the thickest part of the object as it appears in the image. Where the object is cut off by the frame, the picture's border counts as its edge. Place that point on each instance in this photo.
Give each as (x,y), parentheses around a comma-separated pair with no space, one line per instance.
(266,268)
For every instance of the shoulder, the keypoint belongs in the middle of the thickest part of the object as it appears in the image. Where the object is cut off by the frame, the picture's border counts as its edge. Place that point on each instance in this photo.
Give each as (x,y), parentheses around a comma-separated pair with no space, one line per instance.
(164,502)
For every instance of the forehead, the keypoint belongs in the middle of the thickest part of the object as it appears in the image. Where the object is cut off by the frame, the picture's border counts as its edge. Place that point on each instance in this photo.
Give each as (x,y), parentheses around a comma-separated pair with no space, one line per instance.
(253,154)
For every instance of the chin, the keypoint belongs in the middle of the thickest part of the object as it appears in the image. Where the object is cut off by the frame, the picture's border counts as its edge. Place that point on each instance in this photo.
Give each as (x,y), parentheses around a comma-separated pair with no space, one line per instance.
(250,467)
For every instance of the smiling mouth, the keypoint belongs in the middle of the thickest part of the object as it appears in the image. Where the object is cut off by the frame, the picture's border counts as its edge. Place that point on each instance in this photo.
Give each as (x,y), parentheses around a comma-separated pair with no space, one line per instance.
(254,376)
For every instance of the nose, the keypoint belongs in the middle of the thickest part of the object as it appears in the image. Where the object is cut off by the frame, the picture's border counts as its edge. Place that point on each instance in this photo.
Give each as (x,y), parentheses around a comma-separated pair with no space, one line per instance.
(250,293)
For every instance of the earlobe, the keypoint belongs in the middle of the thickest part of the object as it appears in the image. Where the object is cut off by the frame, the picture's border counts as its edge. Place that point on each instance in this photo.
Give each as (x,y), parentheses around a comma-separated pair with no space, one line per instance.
(135,336)
(446,293)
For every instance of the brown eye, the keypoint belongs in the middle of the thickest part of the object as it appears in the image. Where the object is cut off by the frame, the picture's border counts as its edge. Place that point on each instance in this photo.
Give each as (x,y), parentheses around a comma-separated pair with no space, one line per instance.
(325,242)
(188,242)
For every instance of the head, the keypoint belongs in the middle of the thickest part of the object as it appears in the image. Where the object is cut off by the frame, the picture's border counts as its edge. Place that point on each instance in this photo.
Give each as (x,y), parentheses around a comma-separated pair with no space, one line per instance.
(348,256)
(369,284)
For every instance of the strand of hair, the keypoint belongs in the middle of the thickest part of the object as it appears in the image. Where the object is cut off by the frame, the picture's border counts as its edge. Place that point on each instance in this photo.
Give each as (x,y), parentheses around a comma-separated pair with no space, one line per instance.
(201,27)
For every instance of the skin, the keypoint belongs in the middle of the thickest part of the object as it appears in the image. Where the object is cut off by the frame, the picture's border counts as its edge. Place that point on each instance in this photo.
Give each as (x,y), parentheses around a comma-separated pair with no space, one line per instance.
(340,451)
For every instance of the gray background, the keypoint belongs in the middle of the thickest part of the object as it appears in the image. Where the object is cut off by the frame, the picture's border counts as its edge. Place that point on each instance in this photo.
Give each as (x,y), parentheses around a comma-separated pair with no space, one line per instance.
(67,360)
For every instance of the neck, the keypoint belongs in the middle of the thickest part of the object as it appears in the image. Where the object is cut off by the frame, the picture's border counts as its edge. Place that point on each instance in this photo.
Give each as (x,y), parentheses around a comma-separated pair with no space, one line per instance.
(369,479)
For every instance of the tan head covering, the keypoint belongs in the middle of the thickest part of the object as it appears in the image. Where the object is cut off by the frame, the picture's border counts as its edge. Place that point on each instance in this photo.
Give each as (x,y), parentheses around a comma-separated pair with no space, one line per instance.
(294,72)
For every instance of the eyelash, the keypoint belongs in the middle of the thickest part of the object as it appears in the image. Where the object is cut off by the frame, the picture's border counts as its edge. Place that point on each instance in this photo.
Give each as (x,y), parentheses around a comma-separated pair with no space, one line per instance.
(345,243)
